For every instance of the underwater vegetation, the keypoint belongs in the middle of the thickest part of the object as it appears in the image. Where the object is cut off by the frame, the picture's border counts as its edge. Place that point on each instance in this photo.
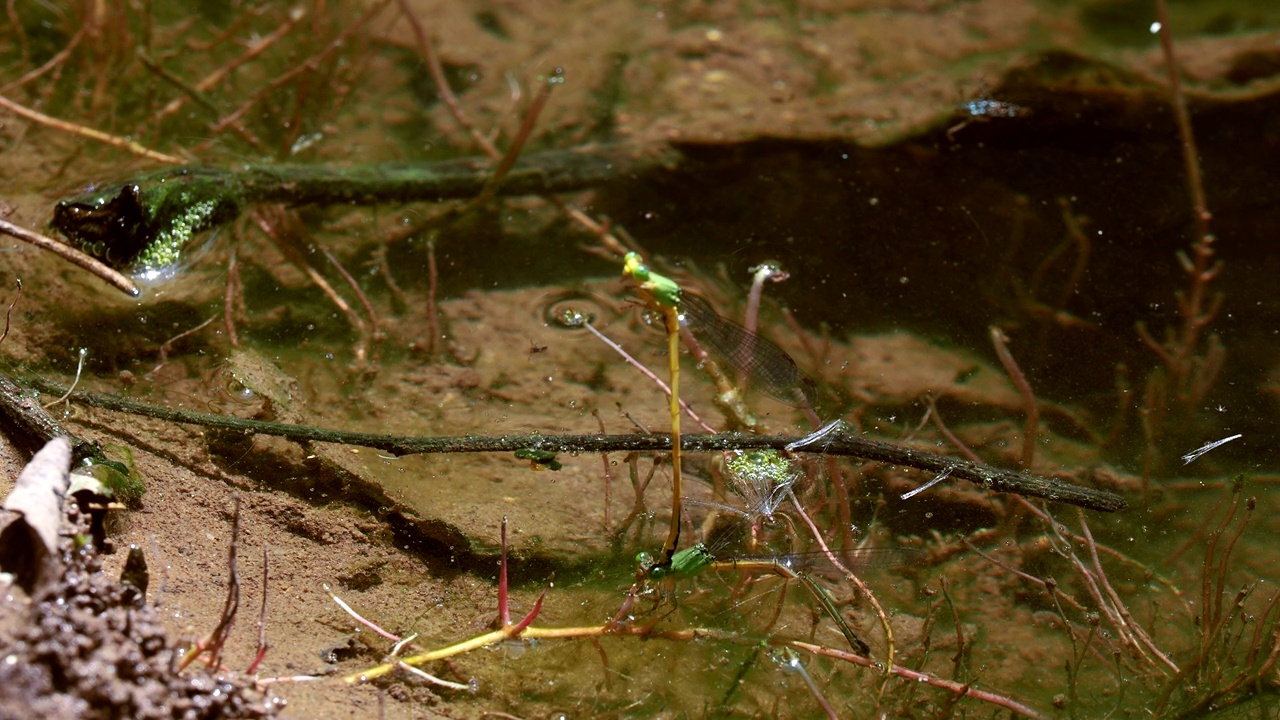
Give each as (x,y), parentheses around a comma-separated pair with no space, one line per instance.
(634,361)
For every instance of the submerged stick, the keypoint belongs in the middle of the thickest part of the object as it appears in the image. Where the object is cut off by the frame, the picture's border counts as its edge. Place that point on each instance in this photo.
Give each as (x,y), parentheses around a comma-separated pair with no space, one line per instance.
(71,255)
(840,443)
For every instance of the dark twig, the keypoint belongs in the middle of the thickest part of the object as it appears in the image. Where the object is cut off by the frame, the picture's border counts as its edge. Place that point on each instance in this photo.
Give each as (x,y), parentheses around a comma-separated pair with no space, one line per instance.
(839,443)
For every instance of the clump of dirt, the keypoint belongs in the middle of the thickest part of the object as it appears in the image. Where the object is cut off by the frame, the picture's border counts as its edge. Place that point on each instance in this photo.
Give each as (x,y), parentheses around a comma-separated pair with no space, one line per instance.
(90,647)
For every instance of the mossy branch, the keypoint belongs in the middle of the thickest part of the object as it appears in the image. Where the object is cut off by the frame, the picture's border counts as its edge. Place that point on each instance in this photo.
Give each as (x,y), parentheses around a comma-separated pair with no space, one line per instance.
(840,443)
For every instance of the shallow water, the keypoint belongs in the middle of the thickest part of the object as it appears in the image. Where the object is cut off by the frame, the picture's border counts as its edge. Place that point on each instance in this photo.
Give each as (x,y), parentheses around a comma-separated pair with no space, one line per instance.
(907,237)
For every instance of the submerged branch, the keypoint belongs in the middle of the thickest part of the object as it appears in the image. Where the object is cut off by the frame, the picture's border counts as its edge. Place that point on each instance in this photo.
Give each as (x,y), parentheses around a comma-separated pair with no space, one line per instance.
(839,443)
(71,255)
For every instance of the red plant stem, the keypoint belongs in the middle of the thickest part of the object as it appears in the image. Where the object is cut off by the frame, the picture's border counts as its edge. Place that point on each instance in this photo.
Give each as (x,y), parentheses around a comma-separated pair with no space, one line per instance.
(1001,343)
(433,312)
(263,645)
(1261,622)
(309,64)
(909,674)
(608,474)
(1190,156)
(1209,590)
(1226,552)
(254,50)
(1200,267)
(504,610)
(447,96)
(533,614)
(53,62)
(517,143)
(374,327)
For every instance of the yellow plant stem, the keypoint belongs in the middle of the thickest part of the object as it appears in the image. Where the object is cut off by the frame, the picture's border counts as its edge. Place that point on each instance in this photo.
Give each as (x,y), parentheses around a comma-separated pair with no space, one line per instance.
(465,646)
(672,317)
(531,633)
(688,635)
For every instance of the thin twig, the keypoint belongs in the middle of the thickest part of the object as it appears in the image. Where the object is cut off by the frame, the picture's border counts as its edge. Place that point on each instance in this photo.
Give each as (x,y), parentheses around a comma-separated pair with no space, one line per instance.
(358,617)
(518,142)
(254,50)
(605,470)
(890,649)
(53,62)
(73,256)
(447,96)
(9,312)
(374,327)
(168,344)
(666,389)
(263,645)
(87,132)
(76,381)
(1138,632)
(504,608)
(951,686)
(286,231)
(310,63)
(231,294)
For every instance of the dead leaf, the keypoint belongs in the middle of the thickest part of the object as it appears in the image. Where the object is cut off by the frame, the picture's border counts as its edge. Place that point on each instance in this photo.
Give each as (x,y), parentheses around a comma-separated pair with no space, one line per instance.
(32,515)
